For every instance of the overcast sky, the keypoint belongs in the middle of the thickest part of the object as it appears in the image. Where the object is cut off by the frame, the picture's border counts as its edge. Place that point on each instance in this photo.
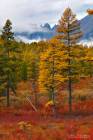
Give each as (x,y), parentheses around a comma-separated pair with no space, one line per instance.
(29,14)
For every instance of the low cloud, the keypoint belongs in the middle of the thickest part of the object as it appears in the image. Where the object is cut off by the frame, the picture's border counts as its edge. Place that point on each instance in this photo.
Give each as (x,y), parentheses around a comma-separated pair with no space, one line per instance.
(27,15)
(26,40)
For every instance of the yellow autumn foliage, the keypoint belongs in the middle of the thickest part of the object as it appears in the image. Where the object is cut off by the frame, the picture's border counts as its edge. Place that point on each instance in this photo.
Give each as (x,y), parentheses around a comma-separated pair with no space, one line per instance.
(49,103)
(52,61)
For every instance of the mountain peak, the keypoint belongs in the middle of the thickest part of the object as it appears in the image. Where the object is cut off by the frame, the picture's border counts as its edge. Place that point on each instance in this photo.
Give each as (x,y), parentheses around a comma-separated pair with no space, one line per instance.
(46,32)
(46,26)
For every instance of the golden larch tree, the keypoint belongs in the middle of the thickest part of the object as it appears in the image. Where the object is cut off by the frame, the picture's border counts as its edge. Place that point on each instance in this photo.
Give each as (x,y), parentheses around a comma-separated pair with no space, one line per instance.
(69,33)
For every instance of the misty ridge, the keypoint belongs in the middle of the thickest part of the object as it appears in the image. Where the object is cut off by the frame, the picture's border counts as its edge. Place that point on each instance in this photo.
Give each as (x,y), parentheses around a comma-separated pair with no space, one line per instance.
(45,32)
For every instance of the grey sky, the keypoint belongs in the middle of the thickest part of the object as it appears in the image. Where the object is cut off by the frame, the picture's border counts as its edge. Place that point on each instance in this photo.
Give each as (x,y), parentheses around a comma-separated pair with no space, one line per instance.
(29,14)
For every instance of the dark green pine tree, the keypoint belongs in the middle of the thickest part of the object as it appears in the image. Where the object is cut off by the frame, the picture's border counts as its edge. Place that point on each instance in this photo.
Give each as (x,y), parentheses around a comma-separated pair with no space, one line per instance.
(10,60)
(2,74)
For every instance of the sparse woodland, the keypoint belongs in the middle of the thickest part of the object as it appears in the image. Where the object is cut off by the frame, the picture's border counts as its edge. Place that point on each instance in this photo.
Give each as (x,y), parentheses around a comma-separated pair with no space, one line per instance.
(47,84)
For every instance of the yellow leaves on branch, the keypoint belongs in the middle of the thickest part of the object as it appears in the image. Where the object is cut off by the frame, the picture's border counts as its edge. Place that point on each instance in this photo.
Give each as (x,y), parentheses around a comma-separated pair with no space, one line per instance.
(1,41)
(59,78)
(49,103)
(52,61)
(90,11)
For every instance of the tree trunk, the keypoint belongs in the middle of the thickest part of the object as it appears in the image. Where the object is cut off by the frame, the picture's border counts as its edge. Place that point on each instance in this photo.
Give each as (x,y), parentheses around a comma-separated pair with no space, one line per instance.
(70,94)
(70,84)
(54,105)
(8,84)
(36,100)
(8,96)
(35,94)
(69,72)
(53,83)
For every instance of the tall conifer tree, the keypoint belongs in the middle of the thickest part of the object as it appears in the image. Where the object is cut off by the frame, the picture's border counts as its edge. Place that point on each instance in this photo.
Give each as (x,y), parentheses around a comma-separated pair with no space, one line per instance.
(50,76)
(69,33)
(10,59)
